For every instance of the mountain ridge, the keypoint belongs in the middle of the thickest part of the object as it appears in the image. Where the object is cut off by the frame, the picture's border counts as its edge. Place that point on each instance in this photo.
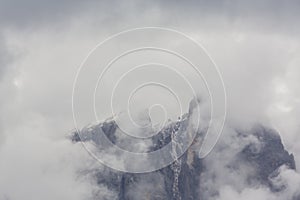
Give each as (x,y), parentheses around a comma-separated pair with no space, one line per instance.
(263,152)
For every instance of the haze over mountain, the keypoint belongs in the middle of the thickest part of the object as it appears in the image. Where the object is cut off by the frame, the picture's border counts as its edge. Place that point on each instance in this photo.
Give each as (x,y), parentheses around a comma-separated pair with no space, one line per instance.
(245,164)
(256,46)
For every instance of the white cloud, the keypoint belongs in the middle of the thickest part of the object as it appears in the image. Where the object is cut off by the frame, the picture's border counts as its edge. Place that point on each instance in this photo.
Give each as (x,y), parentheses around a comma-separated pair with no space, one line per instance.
(256,49)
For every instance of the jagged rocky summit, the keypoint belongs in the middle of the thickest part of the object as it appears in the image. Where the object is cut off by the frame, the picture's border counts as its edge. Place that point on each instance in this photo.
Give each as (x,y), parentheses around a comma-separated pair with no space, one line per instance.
(260,150)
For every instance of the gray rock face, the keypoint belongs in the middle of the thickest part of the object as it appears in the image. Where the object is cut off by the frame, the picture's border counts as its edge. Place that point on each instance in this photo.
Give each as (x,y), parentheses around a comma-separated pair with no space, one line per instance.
(270,157)
(185,183)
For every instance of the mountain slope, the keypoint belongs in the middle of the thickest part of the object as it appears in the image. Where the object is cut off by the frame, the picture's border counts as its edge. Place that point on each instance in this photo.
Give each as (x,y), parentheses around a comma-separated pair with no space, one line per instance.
(241,159)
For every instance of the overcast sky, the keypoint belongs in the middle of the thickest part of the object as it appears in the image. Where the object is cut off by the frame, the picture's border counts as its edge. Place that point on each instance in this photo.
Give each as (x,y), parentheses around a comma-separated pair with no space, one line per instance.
(256,45)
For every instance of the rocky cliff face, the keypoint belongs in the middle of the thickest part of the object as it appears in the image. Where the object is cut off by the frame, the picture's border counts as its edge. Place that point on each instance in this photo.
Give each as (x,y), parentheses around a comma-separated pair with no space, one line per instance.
(264,153)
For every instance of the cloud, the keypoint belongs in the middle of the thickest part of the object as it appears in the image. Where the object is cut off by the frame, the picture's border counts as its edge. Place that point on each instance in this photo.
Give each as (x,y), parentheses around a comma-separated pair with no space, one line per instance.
(227,175)
(256,46)
(34,166)
(288,178)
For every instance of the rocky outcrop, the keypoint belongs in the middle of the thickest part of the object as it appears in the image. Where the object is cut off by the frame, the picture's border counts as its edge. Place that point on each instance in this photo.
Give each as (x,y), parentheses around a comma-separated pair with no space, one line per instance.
(182,179)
